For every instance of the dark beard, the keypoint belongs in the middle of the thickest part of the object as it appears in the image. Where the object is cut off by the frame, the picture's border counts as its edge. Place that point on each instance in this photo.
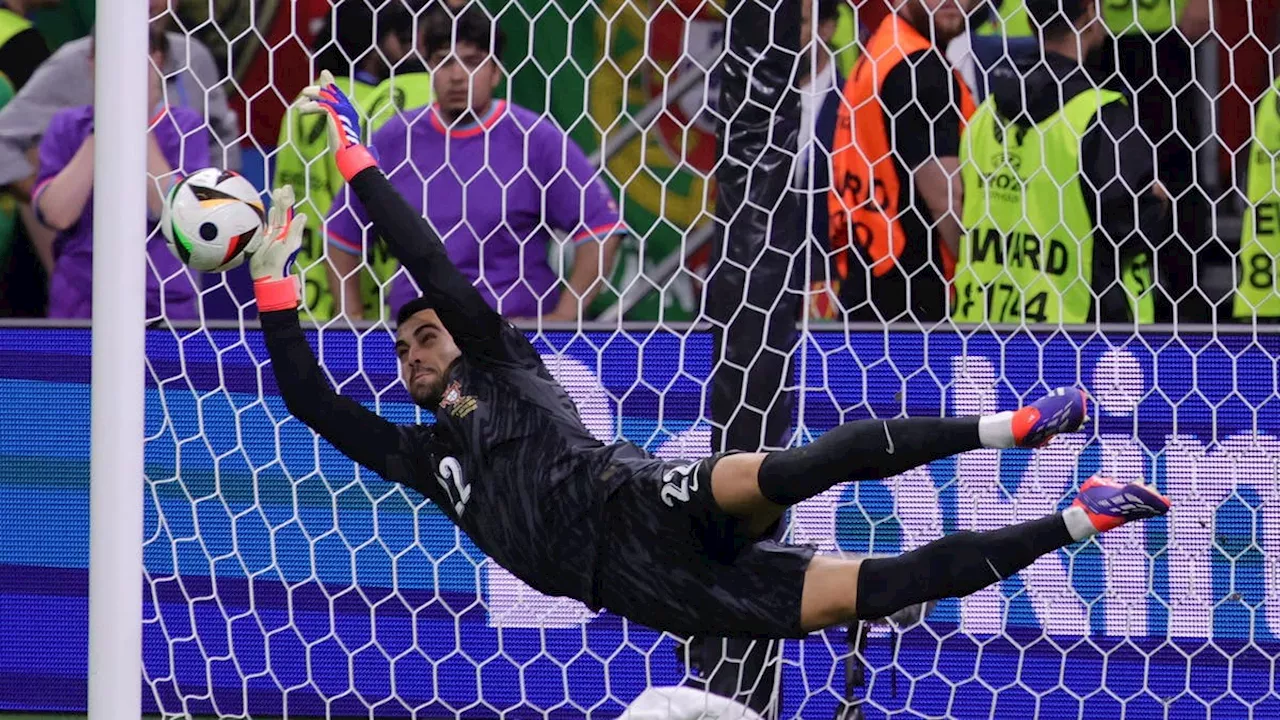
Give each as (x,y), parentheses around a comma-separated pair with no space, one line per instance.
(429,399)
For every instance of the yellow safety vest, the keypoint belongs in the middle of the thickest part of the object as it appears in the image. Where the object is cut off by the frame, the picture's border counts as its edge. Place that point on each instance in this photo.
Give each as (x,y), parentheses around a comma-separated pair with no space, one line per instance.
(1123,17)
(1010,21)
(305,163)
(1260,236)
(1130,17)
(844,42)
(1027,253)
(397,93)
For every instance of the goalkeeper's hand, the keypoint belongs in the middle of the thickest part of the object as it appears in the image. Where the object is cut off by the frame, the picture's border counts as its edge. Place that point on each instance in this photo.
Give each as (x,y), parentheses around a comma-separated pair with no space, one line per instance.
(275,287)
(343,123)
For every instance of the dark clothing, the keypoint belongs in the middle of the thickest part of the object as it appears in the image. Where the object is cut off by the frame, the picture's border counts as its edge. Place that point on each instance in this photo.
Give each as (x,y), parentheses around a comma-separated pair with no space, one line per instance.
(1117,165)
(507,459)
(1159,72)
(21,55)
(920,99)
(510,462)
(676,561)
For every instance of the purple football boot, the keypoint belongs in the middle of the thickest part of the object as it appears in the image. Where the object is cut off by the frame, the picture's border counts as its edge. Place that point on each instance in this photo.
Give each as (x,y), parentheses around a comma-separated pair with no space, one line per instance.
(1062,410)
(1110,504)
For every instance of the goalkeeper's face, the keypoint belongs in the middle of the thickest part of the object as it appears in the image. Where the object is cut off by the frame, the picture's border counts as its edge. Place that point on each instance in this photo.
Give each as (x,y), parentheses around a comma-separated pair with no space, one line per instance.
(426,350)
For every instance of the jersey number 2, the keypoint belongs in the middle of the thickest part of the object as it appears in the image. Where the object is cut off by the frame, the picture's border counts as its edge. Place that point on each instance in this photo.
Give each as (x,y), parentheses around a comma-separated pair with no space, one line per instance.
(677,484)
(450,478)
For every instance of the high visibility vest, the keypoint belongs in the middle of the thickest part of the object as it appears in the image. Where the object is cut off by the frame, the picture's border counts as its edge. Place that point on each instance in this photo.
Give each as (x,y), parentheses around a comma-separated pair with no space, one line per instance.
(1131,17)
(304,162)
(396,93)
(1123,17)
(11,23)
(867,201)
(1260,235)
(1011,21)
(844,42)
(1027,251)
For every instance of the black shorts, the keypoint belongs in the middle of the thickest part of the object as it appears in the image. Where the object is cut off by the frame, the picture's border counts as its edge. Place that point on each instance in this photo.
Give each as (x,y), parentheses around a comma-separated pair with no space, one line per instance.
(674,561)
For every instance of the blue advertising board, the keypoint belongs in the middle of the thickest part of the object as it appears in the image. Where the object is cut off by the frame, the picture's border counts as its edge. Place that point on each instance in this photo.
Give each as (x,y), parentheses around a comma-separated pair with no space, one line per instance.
(281,579)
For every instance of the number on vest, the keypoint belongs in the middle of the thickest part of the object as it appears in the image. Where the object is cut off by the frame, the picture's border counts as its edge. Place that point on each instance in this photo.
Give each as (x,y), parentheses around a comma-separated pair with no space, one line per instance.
(1005,303)
(455,486)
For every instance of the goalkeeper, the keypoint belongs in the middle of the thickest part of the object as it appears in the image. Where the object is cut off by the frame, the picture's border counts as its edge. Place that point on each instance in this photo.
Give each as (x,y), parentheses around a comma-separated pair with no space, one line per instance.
(675,546)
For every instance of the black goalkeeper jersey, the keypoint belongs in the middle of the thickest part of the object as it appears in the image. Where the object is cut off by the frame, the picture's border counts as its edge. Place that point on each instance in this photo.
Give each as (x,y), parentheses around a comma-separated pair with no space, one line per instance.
(508,459)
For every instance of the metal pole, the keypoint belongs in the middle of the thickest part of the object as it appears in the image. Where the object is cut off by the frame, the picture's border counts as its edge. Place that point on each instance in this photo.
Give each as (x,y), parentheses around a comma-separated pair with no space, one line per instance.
(119,289)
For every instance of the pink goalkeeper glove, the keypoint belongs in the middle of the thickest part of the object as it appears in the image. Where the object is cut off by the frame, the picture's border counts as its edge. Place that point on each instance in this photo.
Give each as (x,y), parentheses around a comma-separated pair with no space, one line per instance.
(343,121)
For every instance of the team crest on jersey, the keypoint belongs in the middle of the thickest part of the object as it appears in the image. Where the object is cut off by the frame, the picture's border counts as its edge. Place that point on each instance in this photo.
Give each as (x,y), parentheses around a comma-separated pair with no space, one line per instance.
(457,404)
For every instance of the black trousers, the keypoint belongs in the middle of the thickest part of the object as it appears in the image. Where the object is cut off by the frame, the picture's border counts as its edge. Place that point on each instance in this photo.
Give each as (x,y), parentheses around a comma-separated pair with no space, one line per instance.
(1159,74)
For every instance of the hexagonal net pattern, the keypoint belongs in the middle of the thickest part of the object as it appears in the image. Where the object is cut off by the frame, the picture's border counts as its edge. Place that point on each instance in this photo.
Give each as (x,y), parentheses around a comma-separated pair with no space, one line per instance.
(966,232)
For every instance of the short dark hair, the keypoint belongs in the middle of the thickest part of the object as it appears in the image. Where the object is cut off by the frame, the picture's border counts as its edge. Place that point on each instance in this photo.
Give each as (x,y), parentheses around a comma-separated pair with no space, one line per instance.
(411,308)
(828,10)
(1052,18)
(352,30)
(442,26)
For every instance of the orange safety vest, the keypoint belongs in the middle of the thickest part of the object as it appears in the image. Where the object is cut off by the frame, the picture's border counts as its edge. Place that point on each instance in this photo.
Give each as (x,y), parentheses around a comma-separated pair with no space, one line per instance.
(866,200)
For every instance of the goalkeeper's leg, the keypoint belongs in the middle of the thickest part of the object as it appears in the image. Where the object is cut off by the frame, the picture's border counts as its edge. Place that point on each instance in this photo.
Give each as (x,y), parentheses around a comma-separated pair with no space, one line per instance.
(840,590)
(758,487)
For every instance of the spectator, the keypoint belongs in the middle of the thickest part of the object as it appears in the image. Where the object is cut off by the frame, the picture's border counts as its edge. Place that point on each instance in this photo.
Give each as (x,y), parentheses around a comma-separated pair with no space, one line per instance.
(895,206)
(493,178)
(1256,294)
(1149,55)
(820,98)
(64,81)
(22,49)
(63,200)
(1051,165)
(303,160)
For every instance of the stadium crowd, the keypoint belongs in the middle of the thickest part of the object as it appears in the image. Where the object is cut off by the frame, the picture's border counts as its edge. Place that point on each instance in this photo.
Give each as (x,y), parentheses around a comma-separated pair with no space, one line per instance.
(1015,161)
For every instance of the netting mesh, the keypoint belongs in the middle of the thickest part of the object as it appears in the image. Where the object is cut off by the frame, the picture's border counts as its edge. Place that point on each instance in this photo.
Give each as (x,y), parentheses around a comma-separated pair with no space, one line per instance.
(281,579)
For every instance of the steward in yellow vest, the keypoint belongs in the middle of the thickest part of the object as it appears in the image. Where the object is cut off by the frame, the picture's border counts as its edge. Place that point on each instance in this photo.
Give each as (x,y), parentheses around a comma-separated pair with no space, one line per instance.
(1260,235)
(303,159)
(1050,165)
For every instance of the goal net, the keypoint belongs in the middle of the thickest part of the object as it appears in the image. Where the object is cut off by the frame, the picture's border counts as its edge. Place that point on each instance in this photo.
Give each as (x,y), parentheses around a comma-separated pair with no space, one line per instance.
(283,580)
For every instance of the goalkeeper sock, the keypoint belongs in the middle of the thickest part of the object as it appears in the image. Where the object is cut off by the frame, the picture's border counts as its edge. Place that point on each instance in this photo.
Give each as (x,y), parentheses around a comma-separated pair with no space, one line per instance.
(863,450)
(955,566)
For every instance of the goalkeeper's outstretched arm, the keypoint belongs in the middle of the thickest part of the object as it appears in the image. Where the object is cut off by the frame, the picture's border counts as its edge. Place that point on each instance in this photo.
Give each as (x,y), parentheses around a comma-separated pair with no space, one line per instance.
(353,429)
(462,310)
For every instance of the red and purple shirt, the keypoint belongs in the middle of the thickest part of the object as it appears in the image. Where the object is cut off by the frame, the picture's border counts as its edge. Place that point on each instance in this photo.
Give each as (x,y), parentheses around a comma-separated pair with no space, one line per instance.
(179,131)
(494,191)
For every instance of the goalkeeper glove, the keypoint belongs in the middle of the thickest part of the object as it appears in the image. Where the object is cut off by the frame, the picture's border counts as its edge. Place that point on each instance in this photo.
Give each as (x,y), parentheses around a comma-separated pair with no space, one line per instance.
(343,122)
(271,264)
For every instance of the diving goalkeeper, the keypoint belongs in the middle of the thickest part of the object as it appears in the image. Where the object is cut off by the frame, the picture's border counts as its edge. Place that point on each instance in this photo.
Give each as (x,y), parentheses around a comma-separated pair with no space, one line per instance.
(672,545)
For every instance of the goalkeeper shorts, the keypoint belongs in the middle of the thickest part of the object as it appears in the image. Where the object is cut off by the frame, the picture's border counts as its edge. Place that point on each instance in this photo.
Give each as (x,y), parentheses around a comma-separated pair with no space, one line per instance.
(674,561)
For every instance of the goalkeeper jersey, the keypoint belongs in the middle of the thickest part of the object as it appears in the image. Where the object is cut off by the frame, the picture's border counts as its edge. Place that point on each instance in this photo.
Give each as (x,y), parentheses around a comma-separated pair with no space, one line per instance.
(508,458)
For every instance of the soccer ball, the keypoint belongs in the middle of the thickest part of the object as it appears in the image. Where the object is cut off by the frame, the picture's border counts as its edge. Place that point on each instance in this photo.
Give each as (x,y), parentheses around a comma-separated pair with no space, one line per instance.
(211,218)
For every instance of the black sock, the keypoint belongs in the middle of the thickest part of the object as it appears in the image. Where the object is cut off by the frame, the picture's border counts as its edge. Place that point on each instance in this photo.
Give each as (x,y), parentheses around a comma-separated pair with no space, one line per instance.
(954,566)
(863,450)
